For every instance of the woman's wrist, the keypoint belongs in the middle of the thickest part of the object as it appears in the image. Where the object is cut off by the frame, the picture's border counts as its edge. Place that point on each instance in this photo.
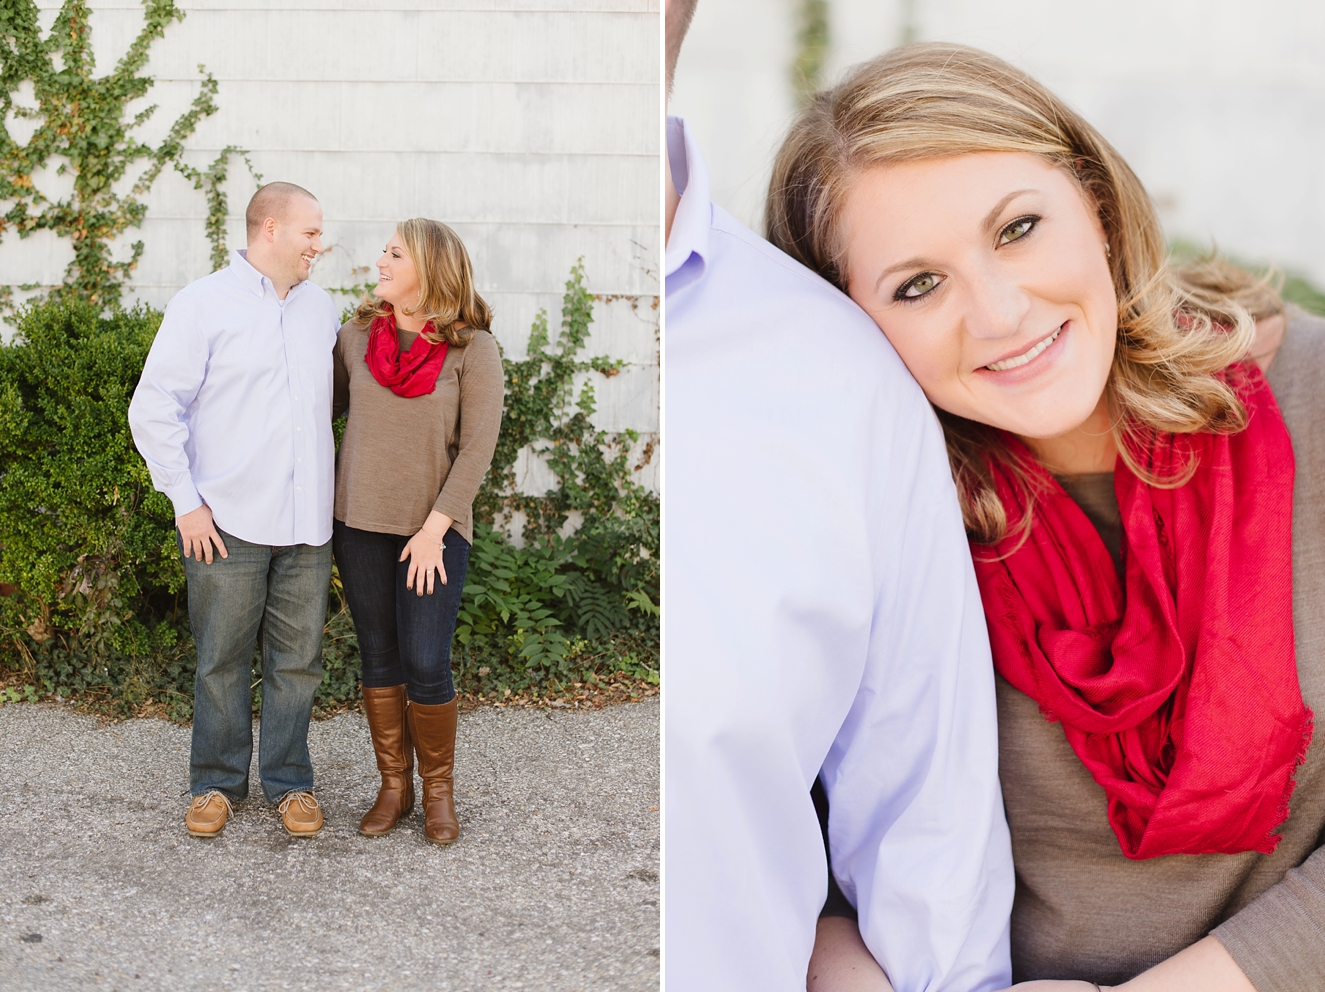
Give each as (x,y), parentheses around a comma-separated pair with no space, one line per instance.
(439,541)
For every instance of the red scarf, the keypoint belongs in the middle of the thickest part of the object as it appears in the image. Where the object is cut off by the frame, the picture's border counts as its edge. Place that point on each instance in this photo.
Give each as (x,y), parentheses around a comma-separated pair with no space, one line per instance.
(405,373)
(1178,693)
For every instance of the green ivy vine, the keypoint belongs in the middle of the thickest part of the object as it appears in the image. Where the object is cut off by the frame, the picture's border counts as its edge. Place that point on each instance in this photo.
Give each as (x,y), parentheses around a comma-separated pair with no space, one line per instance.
(548,413)
(83,119)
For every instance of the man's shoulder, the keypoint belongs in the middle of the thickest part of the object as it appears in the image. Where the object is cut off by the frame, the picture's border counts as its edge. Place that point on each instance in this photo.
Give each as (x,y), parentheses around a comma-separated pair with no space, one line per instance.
(755,303)
(316,292)
(748,275)
(204,288)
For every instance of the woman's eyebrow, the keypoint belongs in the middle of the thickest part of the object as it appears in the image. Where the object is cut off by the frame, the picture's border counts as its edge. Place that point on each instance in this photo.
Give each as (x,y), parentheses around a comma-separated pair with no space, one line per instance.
(991,218)
(910,263)
(987,225)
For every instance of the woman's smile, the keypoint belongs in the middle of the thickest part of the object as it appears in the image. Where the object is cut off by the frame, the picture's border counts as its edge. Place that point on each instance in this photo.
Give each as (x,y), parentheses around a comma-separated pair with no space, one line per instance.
(1027,356)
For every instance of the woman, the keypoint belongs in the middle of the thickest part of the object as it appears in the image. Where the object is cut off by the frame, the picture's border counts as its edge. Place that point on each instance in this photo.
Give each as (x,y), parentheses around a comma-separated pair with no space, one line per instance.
(420,375)
(1145,512)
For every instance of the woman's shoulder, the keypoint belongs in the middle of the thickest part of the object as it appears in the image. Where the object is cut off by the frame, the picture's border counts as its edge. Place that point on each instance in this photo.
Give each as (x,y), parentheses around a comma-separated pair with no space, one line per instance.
(1299,365)
(1299,360)
(352,332)
(482,346)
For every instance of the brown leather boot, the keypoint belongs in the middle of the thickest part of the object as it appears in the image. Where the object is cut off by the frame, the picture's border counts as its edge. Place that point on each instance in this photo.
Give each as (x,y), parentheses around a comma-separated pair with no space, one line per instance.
(433,730)
(385,709)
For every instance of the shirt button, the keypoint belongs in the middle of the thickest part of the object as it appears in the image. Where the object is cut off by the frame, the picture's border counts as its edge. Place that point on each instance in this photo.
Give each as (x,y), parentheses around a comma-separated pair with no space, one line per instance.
(298,489)
(296,397)
(298,428)
(298,459)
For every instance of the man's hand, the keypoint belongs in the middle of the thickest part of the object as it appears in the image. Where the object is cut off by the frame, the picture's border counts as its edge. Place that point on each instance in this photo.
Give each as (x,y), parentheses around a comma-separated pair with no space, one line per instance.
(198,534)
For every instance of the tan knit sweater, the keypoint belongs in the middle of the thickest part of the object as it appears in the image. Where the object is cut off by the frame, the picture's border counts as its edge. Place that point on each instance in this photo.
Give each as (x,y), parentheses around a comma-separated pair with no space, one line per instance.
(1084,911)
(402,458)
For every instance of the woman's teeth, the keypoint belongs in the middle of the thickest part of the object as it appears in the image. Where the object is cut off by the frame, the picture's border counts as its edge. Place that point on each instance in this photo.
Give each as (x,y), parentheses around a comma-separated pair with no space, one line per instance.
(1022,359)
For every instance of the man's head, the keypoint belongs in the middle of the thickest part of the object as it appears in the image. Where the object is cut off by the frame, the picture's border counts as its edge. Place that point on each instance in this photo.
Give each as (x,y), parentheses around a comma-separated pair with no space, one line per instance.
(679,13)
(284,233)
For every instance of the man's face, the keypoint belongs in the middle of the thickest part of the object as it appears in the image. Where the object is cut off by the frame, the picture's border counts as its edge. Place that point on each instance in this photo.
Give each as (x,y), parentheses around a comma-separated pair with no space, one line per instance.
(297,238)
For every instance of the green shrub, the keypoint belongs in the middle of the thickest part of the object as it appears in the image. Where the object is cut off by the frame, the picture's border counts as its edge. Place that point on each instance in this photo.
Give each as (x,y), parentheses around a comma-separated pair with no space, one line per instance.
(92,597)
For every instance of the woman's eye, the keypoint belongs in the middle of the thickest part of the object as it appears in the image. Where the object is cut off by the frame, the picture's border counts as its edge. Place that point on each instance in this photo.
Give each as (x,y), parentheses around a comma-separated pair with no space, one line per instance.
(1017,229)
(920,286)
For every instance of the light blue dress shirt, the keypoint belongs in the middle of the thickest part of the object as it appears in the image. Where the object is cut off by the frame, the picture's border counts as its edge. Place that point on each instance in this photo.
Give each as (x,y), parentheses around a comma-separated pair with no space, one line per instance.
(822,613)
(234,406)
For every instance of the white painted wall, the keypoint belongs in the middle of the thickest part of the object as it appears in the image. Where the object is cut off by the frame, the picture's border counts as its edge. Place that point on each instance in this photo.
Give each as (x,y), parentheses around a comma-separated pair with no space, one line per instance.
(530,126)
(1219,105)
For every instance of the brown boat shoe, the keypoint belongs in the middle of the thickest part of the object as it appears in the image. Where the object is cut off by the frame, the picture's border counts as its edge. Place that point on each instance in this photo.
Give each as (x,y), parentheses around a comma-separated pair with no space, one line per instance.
(207,814)
(301,814)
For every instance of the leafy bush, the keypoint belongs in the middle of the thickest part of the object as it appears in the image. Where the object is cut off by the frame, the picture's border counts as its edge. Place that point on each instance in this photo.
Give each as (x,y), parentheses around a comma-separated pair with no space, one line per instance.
(92,596)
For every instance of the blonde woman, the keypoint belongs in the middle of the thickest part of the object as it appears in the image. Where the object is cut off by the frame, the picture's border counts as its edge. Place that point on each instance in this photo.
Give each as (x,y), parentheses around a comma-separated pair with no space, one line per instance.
(1143,482)
(420,376)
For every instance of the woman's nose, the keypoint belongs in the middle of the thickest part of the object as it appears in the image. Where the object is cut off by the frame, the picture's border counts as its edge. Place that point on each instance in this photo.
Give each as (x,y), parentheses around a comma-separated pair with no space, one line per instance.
(998,306)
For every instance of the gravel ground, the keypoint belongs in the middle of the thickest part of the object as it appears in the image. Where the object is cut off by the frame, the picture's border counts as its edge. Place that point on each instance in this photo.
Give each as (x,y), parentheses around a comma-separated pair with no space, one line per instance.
(552,886)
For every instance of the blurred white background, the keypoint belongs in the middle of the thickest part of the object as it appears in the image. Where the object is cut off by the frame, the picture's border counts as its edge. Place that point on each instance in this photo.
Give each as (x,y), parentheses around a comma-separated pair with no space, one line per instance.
(530,126)
(1219,105)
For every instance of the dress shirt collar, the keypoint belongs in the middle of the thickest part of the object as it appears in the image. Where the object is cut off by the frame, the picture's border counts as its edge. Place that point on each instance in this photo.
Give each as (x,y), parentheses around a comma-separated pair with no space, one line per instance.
(688,245)
(255,281)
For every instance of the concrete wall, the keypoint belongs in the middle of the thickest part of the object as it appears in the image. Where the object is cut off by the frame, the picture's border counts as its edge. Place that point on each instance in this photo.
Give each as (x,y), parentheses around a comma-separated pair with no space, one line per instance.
(1219,105)
(531,126)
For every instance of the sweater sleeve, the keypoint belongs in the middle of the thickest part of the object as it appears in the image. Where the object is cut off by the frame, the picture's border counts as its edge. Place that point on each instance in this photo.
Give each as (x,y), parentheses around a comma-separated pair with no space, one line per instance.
(340,382)
(481,391)
(1279,939)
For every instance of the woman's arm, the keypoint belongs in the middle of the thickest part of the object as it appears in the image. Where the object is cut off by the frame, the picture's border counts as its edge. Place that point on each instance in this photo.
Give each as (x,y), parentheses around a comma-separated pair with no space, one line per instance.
(1204,967)
(481,387)
(841,962)
(340,381)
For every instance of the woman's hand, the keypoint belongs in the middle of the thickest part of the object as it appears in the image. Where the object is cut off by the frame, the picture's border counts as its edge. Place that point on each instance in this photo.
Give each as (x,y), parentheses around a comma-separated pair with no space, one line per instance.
(424,552)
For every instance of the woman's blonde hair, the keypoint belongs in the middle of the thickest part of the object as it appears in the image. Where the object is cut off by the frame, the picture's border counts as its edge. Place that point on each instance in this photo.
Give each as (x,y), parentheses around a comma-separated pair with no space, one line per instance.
(1178,328)
(447,296)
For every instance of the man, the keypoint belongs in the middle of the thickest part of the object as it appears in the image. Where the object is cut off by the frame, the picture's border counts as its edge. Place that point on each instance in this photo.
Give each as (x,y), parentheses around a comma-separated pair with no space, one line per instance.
(233,417)
(822,620)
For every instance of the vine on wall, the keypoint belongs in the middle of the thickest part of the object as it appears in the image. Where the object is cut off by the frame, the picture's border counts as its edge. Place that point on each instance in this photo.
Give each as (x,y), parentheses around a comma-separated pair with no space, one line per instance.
(83,119)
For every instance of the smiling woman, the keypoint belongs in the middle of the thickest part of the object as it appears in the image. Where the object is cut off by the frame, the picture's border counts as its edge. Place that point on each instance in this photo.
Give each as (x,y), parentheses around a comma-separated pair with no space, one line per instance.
(420,377)
(1134,487)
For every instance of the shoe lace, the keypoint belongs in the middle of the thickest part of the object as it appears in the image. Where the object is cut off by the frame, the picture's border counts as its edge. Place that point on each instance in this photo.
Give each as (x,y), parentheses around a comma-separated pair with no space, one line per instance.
(201,802)
(306,800)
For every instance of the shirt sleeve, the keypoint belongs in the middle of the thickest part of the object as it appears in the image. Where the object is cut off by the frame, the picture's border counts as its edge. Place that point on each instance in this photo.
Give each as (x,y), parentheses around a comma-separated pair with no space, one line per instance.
(918,838)
(481,388)
(1278,940)
(172,376)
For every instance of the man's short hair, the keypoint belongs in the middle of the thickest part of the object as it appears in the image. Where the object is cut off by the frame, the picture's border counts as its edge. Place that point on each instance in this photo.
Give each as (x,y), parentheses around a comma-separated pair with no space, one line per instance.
(272,200)
(679,13)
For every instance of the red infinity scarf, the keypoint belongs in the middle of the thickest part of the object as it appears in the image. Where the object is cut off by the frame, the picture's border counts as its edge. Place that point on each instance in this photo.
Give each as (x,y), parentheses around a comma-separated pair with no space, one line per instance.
(405,373)
(1178,693)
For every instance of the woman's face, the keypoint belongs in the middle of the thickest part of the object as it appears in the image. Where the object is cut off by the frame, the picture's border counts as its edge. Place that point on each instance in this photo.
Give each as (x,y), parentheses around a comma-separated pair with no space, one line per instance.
(989,274)
(397,279)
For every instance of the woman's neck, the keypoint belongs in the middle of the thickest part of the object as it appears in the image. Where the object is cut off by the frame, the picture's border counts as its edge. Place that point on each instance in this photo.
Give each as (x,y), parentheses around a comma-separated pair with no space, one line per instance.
(409,324)
(1085,449)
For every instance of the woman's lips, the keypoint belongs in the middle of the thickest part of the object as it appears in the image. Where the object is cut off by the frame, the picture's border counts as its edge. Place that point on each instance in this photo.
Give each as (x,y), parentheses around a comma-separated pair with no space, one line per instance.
(1027,356)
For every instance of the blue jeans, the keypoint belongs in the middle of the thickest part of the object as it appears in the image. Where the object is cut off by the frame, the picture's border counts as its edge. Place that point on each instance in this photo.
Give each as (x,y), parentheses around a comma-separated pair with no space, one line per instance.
(282,593)
(404,638)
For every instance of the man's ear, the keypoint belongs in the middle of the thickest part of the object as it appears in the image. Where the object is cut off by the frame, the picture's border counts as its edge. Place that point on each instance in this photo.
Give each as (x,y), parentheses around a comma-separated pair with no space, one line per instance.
(269,229)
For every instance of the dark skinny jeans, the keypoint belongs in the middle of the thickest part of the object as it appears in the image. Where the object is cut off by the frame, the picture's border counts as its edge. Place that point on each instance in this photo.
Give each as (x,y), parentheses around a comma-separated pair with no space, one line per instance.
(403,637)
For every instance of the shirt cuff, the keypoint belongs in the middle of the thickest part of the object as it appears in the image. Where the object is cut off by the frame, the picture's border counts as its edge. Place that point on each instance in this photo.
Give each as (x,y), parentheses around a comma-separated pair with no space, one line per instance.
(185,498)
